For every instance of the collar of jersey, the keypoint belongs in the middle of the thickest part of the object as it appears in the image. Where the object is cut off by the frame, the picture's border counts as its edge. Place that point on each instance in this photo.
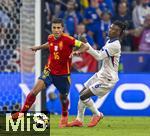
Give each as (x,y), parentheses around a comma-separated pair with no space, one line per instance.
(112,40)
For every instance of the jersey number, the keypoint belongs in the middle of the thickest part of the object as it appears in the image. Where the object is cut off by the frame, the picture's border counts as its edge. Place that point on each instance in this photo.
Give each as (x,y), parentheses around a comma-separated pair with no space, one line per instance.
(56,56)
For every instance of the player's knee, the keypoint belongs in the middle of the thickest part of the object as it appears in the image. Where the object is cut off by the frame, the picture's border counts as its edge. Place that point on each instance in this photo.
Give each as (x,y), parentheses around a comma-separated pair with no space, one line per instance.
(82,91)
(82,97)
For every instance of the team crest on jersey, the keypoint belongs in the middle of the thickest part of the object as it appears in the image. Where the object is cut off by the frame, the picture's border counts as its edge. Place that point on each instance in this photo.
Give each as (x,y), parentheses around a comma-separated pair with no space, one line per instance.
(51,44)
(56,48)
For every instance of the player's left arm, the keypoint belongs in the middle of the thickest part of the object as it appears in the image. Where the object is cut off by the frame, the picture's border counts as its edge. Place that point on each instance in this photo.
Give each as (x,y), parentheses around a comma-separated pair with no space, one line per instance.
(82,46)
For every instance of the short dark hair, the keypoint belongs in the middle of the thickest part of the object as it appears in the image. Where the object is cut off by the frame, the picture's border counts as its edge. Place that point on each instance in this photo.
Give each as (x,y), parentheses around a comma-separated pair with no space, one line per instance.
(58,21)
(121,25)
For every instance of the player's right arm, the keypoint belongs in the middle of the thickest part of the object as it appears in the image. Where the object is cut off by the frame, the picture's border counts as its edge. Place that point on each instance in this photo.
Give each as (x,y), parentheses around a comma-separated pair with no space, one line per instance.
(104,52)
(43,46)
(82,47)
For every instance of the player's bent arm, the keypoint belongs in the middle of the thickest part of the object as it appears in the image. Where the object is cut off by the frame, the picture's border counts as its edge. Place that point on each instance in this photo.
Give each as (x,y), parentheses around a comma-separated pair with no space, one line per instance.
(98,55)
(43,46)
(82,46)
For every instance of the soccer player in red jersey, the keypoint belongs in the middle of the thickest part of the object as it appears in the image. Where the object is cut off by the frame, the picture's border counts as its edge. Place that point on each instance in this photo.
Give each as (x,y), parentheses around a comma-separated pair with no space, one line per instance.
(57,70)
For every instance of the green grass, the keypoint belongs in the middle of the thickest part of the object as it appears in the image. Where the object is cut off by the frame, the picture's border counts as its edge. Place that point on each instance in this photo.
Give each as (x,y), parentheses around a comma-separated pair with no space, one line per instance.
(109,126)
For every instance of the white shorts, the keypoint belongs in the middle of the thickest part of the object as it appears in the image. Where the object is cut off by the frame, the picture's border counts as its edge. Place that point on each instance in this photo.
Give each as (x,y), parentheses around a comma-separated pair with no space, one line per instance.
(99,86)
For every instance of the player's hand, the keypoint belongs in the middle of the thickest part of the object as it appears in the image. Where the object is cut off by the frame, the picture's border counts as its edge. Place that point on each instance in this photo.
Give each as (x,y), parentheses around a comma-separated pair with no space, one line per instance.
(33,48)
(74,53)
(82,38)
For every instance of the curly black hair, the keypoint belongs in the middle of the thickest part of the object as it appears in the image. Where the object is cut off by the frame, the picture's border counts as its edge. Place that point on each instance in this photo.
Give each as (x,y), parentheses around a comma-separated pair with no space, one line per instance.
(121,25)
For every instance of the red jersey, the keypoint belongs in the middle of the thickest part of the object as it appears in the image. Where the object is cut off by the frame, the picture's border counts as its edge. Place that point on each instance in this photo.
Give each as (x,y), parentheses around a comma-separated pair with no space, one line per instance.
(60,49)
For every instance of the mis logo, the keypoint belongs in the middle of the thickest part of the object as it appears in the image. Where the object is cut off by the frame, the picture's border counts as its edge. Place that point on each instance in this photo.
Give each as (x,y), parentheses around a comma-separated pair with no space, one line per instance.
(24,123)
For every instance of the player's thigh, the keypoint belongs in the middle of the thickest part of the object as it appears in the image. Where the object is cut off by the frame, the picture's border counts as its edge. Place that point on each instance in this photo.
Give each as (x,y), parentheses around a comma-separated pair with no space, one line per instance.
(91,81)
(99,88)
(62,83)
(46,77)
(43,82)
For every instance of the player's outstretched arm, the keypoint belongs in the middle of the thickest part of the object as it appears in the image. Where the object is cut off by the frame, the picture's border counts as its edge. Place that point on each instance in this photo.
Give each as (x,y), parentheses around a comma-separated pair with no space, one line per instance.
(43,46)
(97,54)
(82,48)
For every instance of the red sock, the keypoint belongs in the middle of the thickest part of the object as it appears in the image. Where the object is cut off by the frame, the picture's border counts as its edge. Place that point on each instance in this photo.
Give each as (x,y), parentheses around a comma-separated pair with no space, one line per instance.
(28,103)
(65,105)
(65,108)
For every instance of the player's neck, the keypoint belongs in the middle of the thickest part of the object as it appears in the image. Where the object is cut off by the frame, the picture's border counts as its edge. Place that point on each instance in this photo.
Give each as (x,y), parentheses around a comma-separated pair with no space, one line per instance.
(57,37)
(112,39)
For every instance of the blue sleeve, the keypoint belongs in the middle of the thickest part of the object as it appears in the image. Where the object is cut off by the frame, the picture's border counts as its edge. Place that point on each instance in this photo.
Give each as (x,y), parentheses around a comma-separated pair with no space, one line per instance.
(79,17)
(86,14)
(109,5)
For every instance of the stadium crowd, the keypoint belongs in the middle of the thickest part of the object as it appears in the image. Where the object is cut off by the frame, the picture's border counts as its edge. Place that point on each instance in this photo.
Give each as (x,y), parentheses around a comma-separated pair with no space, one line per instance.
(89,17)
(93,18)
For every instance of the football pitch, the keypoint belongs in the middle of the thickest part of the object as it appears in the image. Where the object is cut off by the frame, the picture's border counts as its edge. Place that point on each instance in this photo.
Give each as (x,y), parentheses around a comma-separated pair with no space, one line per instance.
(109,126)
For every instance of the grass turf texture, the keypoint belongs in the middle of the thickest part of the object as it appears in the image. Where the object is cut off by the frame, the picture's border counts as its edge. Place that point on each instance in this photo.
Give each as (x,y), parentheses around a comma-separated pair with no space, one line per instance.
(109,126)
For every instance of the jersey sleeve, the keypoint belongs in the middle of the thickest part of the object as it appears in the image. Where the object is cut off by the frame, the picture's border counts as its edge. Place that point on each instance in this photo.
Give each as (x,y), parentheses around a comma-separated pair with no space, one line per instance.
(112,50)
(69,39)
(104,52)
(72,41)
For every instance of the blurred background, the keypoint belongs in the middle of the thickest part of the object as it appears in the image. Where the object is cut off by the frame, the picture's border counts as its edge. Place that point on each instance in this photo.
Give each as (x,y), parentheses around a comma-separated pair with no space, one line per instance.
(25,23)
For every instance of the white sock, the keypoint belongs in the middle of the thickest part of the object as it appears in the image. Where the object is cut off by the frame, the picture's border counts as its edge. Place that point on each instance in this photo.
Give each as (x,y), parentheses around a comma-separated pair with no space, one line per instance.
(81,110)
(90,104)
